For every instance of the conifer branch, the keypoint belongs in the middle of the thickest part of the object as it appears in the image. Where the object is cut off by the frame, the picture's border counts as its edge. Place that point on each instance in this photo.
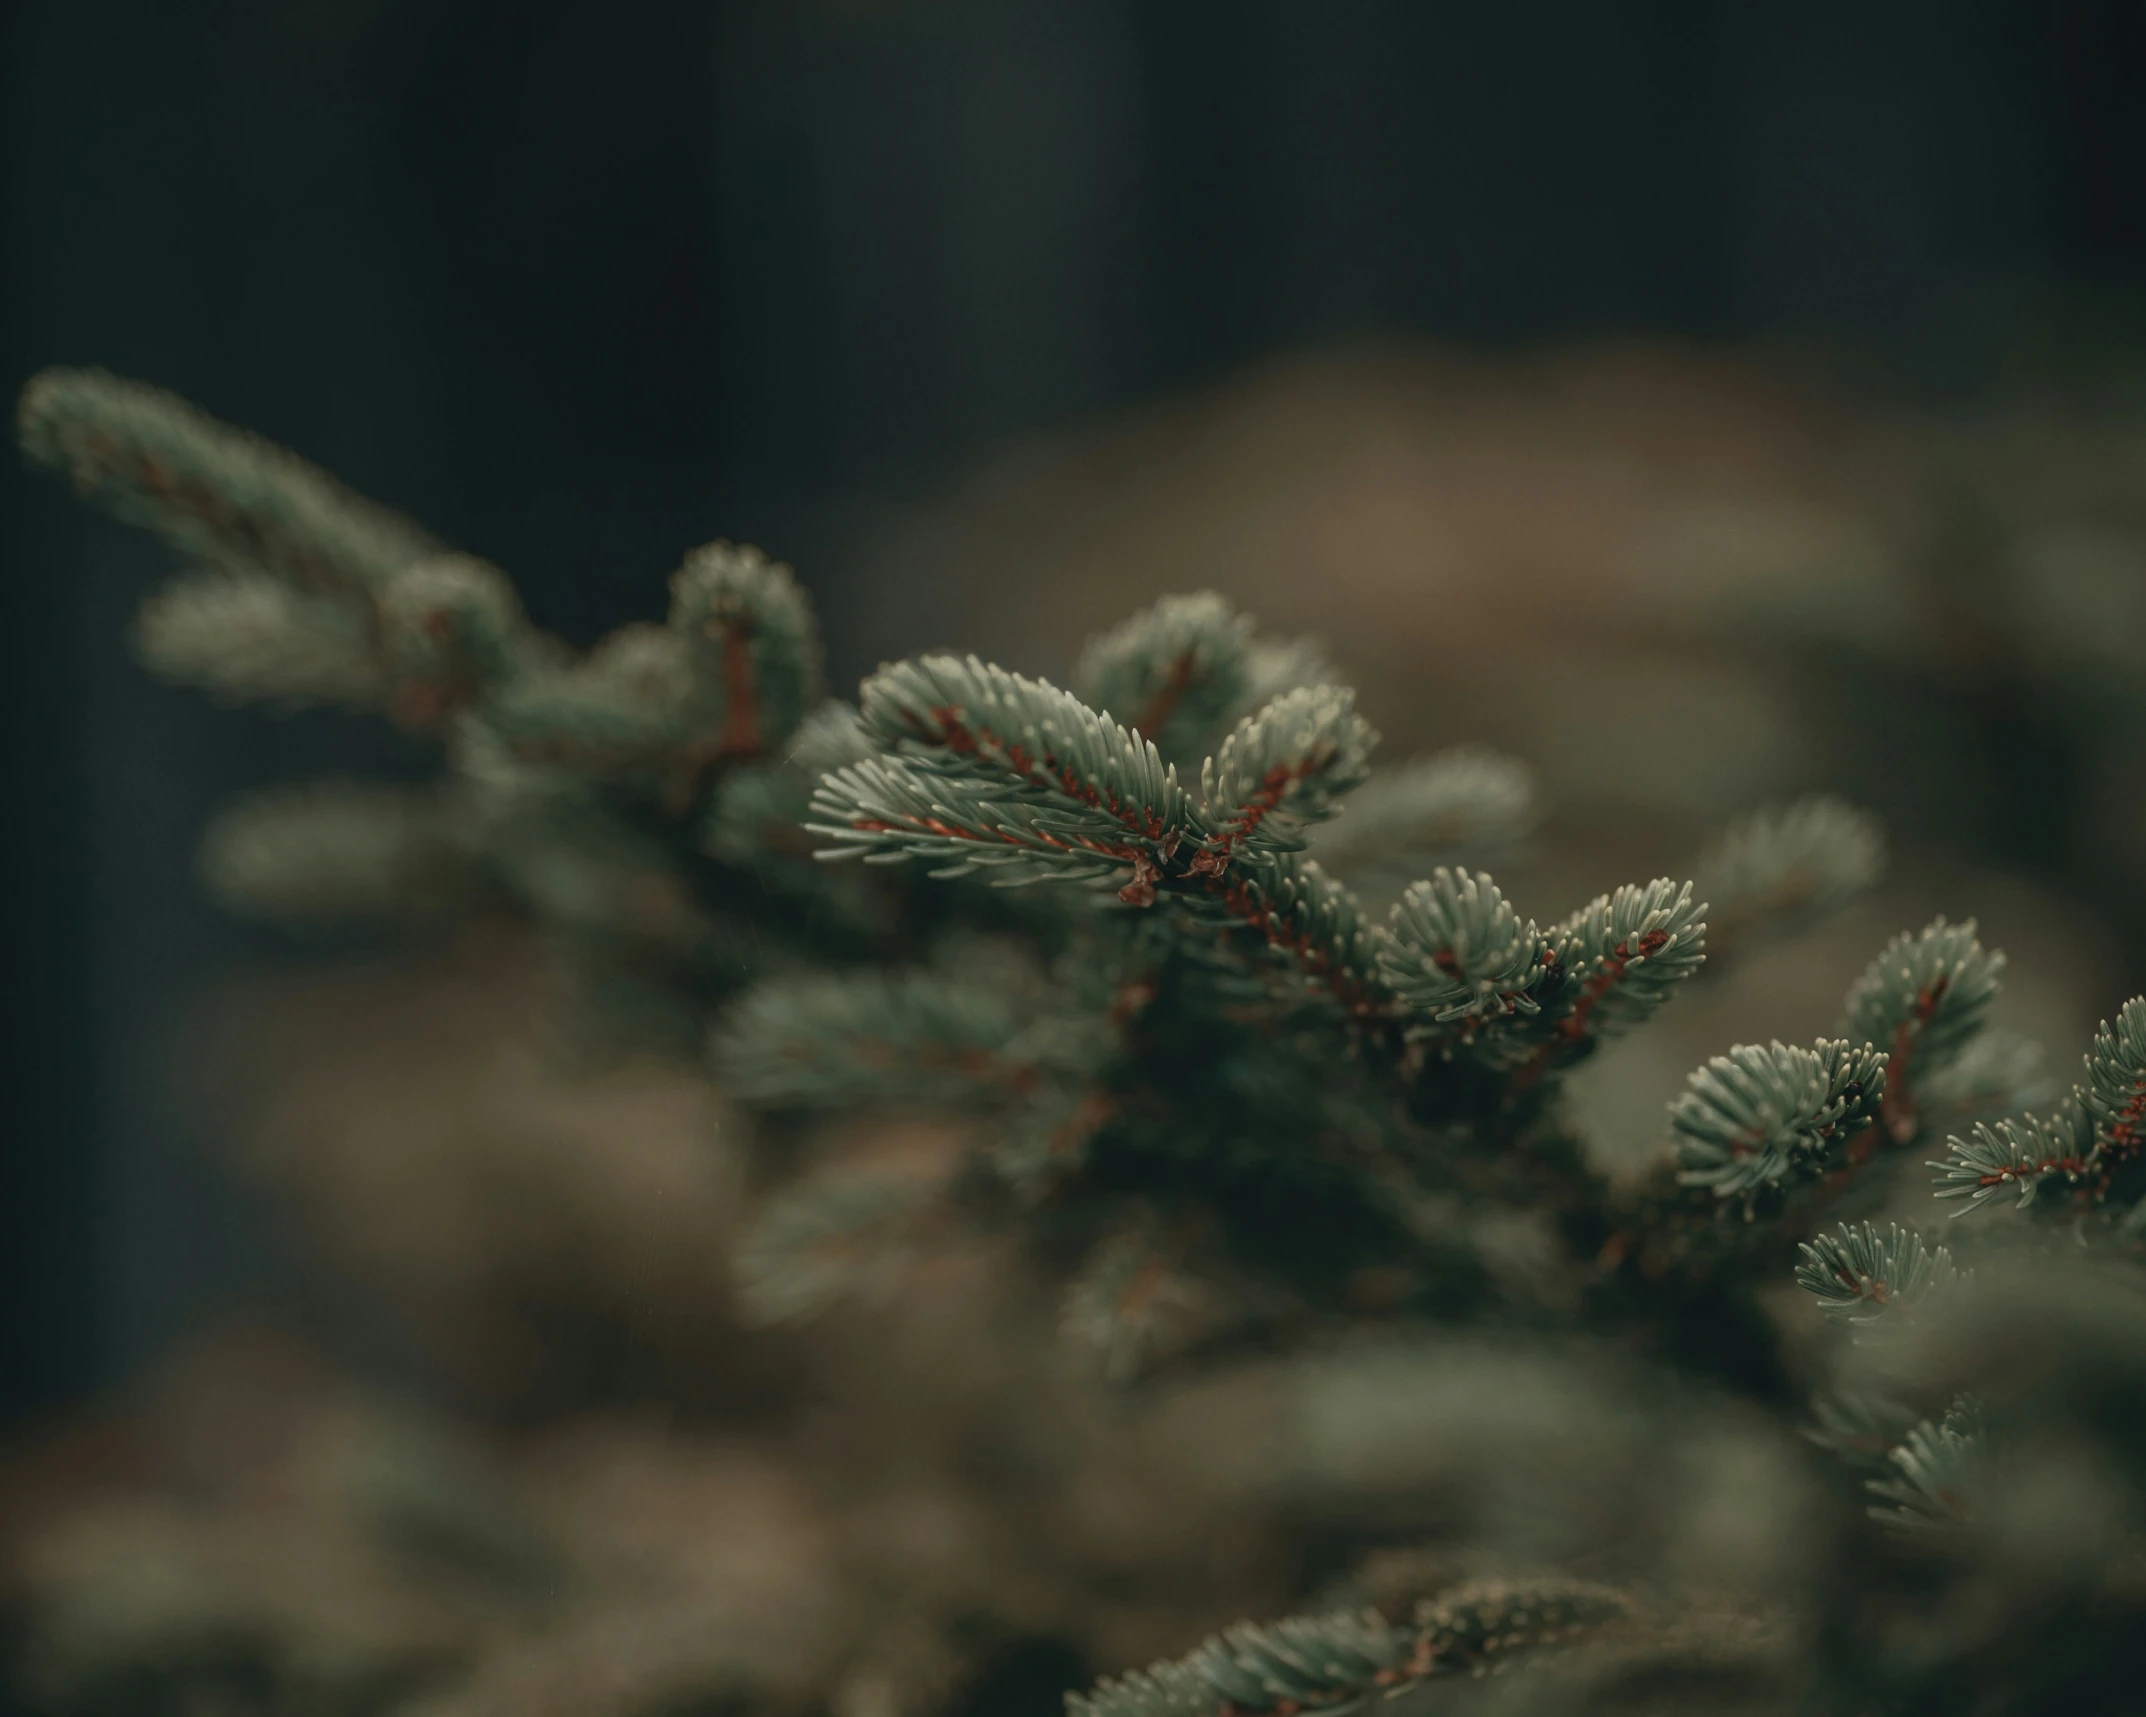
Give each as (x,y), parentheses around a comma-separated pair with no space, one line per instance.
(1862,1275)
(723,683)
(755,823)
(1458,806)
(1183,672)
(243,637)
(1614,963)
(883,811)
(1280,771)
(2019,1153)
(1455,949)
(1777,869)
(1478,1627)
(1046,1139)
(1999,1072)
(214,493)
(988,769)
(451,632)
(1135,1300)
(841,1234)
(1763,1115)
(2113,1095)
(614,714)
(1313,924)
(1336,1663)
(1938,1472)
(752,650)
(1861,1429)
(870,1039)
(962,719)
(337,852)
(1922,1001)
(1177,674)
(2084,1142)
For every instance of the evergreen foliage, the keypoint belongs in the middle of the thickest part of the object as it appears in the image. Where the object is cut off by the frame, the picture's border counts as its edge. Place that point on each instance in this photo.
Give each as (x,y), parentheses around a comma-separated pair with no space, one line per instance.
(1781,867)
(1337,1663)
(1223,1101)
(1937,1470)
(1862,1275)
(1758,1116)
(1467,805)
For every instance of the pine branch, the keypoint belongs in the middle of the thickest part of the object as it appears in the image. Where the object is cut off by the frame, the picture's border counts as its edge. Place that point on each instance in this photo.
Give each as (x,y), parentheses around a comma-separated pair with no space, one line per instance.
(1615,962)
(1046,1139)
(960,718)
(753,648)
(922,1039)
(1183,672)
(451,632)
(1777,869)
(305,593)
(2020,1153)
(1135,1301)
(1330,1664)
(1273,666)
(1623,955)
(1764,1115)
(1939,1471)
(1478,1627)
(244,637)
(1999,1072)
(1178,674)
(617,714)
(1922,1001)
(1459,806)
(1311,924)
(2084,1142)
(1280,771)
(1456,950)
(755,823)
(831,736)
(2114,1093)
(1864,1276)
(726,681)
(884,810)
(991,770)
(337,853)
(1334,1664)
(841,1234)
(214,493)
(1862,1430)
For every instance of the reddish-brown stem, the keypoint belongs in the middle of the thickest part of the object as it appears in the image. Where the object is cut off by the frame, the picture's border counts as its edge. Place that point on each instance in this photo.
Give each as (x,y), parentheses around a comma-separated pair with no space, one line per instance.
(2072,1164)
(959,737)
(1167,696)
(2123,1134)
(1573,1027)
(1897,1108)
(1274,786)
(1252,911)
(740,736)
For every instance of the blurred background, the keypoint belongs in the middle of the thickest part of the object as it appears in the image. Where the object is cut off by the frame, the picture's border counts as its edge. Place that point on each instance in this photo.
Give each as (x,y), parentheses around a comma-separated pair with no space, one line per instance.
(1704,400)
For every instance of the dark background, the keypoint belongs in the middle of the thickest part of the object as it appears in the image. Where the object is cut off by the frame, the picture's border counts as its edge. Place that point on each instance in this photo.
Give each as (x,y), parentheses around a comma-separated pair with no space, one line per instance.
(581,286)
